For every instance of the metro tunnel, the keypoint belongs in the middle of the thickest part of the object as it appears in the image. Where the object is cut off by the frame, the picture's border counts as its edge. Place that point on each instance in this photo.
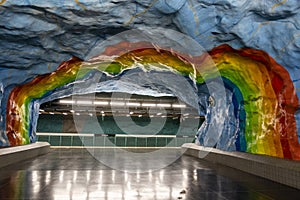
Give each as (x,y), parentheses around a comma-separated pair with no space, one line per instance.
(149,100)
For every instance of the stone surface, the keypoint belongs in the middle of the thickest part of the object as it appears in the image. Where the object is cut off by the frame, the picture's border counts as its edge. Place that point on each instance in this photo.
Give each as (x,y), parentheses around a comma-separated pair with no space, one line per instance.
(35,36)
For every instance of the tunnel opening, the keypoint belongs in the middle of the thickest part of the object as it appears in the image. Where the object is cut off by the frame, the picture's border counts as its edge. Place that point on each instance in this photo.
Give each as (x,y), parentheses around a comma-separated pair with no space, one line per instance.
(243,112)
(56,122)
(141,67)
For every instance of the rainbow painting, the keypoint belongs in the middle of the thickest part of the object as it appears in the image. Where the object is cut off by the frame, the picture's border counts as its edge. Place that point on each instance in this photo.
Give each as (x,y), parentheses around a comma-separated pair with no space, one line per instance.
(267,94)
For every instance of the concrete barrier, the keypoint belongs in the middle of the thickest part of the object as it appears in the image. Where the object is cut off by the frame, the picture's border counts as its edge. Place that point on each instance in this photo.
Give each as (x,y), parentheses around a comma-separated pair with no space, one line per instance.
(12,155)
(283,171)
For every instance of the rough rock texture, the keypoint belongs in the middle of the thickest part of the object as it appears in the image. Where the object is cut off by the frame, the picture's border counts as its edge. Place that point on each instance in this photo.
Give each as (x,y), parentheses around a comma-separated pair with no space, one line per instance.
(35,36)
(269,25)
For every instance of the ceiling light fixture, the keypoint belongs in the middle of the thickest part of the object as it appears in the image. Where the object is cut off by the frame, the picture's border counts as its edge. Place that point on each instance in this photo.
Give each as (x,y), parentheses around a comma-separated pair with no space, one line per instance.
(164,105)
(84,102)
(100,102)
(179,106)
(133,104)
(148,104)
(117,103)
(66,101)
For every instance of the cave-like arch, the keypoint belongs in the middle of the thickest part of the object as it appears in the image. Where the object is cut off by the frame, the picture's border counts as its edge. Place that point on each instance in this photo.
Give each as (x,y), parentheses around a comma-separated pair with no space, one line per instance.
(261,92)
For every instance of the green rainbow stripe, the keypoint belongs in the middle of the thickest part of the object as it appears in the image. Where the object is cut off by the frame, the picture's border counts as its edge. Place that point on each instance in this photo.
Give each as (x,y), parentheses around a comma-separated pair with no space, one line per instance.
(267,91)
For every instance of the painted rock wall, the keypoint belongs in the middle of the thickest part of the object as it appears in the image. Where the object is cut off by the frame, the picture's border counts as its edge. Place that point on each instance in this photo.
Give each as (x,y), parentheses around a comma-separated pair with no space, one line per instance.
(35,37)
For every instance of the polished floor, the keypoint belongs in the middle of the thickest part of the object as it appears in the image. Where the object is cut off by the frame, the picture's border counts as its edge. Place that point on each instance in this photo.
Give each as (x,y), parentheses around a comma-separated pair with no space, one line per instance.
(75,174)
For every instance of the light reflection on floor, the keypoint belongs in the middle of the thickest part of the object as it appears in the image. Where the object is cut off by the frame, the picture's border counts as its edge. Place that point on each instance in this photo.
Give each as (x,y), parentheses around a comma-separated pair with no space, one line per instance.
(75,174)
(115,185)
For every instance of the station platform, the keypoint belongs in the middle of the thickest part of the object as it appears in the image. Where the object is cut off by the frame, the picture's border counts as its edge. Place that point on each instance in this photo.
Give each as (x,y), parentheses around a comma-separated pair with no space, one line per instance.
(74,173)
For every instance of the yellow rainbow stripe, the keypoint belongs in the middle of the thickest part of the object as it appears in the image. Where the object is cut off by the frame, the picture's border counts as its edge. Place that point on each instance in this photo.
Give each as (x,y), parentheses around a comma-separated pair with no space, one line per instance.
(269,97)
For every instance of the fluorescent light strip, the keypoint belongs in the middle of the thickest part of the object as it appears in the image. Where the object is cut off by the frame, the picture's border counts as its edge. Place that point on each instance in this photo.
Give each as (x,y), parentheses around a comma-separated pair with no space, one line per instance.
(146,136)
(101,103)
(133,104)
(117,103)
(114,103)
(106,147)
(66,134)
(148,104)
(84,102)
(164,105)
(65,101)
(179,106)
(92,135)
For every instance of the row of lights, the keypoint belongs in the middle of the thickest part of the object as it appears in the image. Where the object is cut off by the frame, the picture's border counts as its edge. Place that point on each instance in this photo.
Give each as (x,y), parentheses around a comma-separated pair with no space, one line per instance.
(120,103)
(103,114)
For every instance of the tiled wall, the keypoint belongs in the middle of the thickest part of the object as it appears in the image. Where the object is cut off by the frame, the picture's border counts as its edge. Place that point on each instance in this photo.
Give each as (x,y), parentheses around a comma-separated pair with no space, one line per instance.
(276,169)
(103,141)
(87,124)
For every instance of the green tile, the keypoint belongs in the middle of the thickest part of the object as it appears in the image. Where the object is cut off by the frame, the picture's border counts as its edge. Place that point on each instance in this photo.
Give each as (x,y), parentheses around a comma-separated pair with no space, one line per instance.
(141,142)
(180,141)
(120,141)
(99,141)
(88,141)
(66,141)
(43,138)
(50,123)
(110,141)
(151,142)
(55,140)
(161,142)
(76,141)
(131,141)
(171,142)
(189,140)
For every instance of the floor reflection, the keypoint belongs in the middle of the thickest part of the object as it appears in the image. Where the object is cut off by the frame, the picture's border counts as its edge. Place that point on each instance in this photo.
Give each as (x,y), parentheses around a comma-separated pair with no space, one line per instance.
(75,174)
